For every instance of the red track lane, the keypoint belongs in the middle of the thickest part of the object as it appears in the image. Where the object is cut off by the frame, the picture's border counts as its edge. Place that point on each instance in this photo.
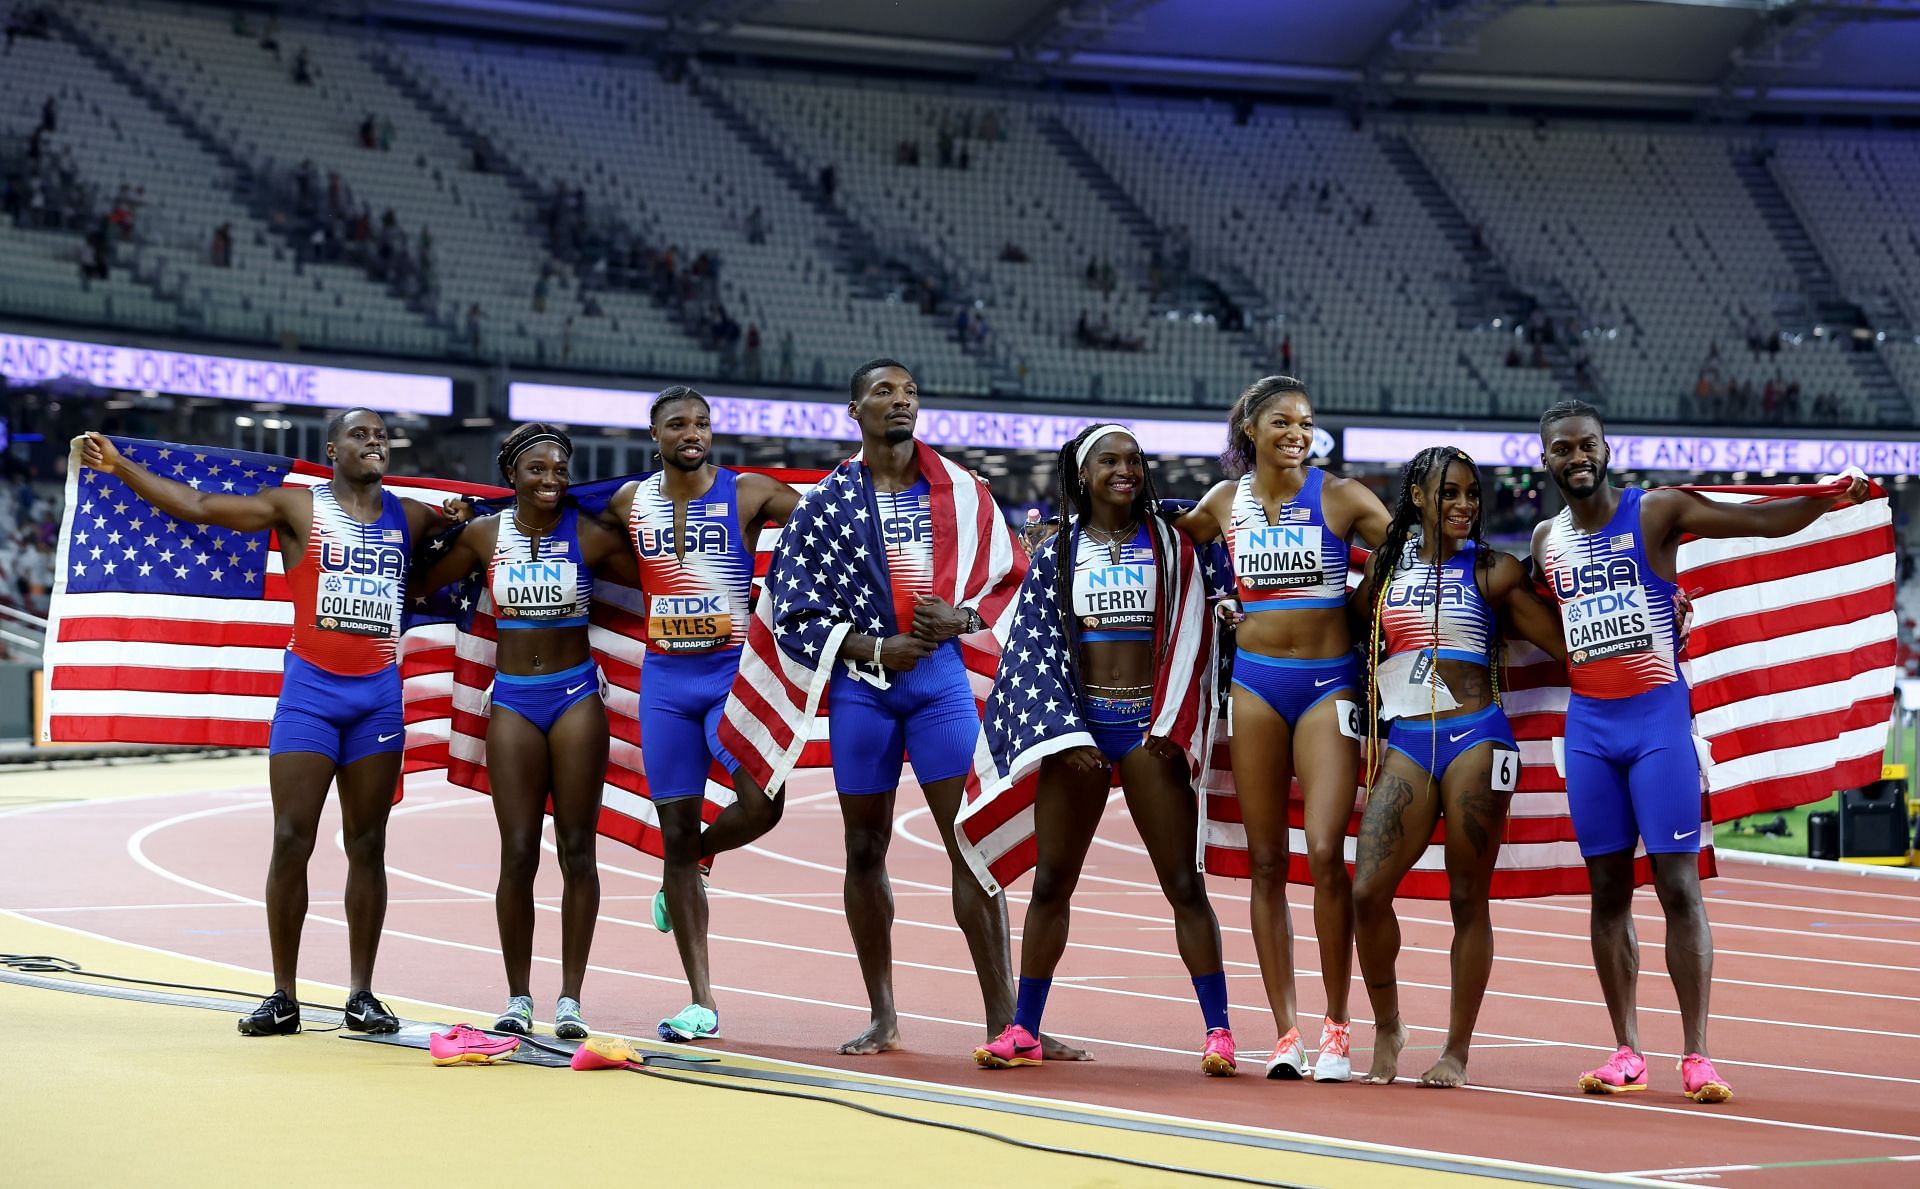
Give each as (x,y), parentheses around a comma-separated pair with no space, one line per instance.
(1801,956)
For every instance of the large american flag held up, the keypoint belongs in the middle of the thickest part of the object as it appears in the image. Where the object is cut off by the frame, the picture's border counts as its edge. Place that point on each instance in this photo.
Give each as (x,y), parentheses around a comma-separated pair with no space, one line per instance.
(1791,662)
(1033,710)
(167,632)
(447,669)
(829,577)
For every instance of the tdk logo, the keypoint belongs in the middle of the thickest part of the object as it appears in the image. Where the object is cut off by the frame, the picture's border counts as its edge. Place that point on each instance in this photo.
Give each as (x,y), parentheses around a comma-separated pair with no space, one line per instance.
(338,557)
(1570,582)
(683,605)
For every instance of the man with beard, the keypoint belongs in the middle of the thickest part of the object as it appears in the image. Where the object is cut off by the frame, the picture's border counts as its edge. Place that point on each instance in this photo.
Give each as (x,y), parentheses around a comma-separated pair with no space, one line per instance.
(689,524)
(1632,773)
(345,545)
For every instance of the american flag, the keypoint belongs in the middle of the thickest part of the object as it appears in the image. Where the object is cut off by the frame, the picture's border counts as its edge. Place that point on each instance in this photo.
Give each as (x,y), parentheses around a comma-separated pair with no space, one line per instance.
(829,578)
(1791,661)
(1033,710)
(166,632)
(448,667)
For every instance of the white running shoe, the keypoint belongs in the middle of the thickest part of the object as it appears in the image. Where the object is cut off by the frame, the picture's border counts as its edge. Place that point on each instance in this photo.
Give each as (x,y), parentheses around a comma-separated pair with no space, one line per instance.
(1289,1060)
(1334,1062)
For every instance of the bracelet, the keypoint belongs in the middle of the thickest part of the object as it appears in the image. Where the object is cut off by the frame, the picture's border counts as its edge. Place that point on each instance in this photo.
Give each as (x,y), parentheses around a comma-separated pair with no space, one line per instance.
(878,644)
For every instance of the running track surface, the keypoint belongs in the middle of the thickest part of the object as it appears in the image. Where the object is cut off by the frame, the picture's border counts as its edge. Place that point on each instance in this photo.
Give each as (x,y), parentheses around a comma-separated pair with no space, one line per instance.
(1815,1020)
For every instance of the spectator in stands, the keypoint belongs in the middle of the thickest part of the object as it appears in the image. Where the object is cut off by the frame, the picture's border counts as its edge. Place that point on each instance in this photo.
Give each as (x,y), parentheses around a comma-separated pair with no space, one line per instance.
(756,226)
(386,134)
(1366,215)
(221,255)
(1286,355)
(566,341)
(786,357)
(1513,355)
(541,288)
(270,37)
(943,147)
(829,181)
(752,357)
(302,68)
(1012,253)
(96,256)
(369,132)
(907,152)
(50,116)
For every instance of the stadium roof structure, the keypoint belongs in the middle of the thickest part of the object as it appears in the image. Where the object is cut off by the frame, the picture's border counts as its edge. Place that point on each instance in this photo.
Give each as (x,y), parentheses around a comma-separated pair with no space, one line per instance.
(1791,54)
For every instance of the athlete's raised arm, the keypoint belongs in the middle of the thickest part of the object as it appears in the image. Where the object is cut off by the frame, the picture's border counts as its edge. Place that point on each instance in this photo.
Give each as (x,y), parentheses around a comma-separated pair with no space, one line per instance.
(1511,590)
(278,508)
(1670,511)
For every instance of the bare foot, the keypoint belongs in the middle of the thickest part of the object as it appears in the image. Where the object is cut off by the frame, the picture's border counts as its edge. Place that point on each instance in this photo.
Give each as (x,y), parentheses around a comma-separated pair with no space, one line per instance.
(1387,1043)
(881,1036)
(1449,1071)
(1060,1050)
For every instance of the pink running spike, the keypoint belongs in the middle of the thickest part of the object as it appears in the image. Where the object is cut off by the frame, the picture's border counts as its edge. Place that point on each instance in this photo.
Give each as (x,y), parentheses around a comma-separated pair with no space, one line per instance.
(1700,1081)
(1216,1060)
(1623,1073)
(1014,1047)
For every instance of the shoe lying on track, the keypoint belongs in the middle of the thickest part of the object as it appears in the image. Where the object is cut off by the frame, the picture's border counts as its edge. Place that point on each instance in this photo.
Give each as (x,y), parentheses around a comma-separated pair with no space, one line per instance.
(1289,1060)
(1624,1073)
(1335,1060)
(464,1044)
(518,1018)
(1216,1060)
(1014,1047)
(367,1014)
(605,1052)
(1700,1081)
(568,1023)
(693,1023)
(277,1015)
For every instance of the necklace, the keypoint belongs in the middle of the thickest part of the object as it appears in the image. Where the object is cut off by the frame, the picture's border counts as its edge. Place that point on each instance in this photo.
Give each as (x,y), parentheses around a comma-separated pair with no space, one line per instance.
(533,534)
(1111,540)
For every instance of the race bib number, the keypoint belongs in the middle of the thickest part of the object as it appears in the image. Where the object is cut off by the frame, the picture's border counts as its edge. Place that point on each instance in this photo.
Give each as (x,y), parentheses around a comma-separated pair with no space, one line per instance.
(1277,557)
(357,604)
(1348,712)
(1607,624)
(1113,597)
(536,590)
(1506,770)
(689,623)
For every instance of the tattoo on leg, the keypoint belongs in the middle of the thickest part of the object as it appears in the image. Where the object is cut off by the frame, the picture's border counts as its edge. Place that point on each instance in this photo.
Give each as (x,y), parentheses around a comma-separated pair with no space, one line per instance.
(1381,829)
(1480,809)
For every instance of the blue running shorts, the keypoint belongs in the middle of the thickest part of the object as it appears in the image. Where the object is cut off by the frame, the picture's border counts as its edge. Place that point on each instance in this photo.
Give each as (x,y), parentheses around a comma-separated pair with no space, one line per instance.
(542,700)
(927,713)
(1118,725)
(682,696)
(1435,743)
(1632,772)
(1293,687)
(342,718)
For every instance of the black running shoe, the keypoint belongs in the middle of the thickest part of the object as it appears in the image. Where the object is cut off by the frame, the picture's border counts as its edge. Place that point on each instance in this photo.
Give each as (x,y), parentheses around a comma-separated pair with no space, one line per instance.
(367,1014)
(277,1015)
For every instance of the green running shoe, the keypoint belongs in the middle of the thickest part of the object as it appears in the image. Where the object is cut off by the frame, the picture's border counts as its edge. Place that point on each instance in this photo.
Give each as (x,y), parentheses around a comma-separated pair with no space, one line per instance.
(661,920)
(693,1023)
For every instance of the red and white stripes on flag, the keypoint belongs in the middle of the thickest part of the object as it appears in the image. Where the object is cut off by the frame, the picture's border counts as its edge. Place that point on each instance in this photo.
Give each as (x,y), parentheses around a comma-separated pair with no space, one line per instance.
(1791,661)
(446,673)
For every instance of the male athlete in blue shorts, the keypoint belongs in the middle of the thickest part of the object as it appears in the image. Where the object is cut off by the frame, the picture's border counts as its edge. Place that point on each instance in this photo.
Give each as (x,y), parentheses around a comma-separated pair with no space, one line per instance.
(345,545)
(691,526)
(1632,773)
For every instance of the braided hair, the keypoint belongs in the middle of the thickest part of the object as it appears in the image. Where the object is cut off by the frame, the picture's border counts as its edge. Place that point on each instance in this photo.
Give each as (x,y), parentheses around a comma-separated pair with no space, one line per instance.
(1239,455)
(1074,494)
(525,438)
(1426,471)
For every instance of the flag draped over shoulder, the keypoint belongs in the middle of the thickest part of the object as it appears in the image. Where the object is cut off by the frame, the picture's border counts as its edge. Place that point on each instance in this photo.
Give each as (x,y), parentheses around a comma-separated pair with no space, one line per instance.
(1034,711)
(447,670)
(1790,658)
(829,577)
(166,632)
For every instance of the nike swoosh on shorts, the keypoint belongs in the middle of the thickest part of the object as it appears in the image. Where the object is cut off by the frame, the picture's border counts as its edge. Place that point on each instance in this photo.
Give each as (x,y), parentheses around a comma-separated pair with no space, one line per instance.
(572,690)
(395,735)
(1677,835)
(1328,681)
(1459,737)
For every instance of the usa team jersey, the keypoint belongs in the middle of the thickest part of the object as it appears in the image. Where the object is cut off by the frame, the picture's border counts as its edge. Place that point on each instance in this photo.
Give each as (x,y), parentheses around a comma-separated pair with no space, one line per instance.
(906,528)
(551,591)
(349,586)
(1115,600)
(1616,613)
(1292,563)
(1466,622)
(700,602)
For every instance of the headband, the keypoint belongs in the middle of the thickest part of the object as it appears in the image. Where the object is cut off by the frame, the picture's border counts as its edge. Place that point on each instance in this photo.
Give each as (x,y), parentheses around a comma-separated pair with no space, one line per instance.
(1094,435)
(513,458)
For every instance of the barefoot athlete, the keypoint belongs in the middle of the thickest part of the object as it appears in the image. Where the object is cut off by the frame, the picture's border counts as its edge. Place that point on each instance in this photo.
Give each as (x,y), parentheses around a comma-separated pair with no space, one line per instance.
(546,720)
(883,566)
(689,527)
(1632,772)
(1432,600)
(1119,594)
(1295,685)
(344,545)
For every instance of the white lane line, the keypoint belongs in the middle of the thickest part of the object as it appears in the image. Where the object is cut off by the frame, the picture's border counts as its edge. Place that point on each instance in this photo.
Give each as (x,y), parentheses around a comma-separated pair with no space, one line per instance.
(973,1027)
(1717,1168)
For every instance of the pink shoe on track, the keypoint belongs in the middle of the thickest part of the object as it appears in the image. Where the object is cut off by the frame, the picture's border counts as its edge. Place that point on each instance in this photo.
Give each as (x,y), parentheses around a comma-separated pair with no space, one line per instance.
(1624,1073)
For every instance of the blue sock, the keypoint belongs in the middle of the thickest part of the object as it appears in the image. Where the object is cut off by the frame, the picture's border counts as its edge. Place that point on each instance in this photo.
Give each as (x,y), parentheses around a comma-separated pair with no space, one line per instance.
(1211,990)
(1032,1003)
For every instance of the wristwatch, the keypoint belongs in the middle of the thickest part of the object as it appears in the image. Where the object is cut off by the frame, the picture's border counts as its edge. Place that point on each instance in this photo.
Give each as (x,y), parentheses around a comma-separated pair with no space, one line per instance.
(974,622)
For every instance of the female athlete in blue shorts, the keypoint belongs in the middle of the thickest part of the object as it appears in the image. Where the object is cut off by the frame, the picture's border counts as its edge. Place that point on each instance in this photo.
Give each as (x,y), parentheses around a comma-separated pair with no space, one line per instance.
(1433,597)
(546,723)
